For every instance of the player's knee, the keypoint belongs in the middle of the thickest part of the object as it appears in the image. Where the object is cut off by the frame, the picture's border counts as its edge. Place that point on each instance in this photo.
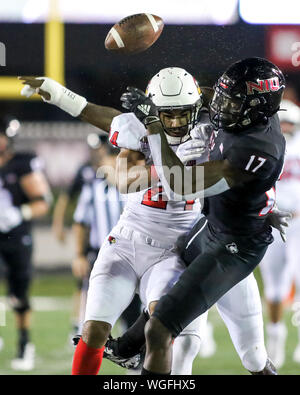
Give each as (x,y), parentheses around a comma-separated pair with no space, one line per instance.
(95,333)
(255,358)
(19,304)
(157,335)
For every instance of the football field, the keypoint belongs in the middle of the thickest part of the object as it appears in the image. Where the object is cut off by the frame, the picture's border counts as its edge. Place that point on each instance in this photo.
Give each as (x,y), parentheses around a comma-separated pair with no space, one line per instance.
(51,332)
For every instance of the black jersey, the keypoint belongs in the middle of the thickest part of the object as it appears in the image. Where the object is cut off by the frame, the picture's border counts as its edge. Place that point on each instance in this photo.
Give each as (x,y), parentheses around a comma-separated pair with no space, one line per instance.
(260,152)
(85,174)
(11,192)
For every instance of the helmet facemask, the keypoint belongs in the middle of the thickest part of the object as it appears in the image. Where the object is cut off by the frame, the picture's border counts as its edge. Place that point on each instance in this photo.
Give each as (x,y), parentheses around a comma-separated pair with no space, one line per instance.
(226,111)
(178,121)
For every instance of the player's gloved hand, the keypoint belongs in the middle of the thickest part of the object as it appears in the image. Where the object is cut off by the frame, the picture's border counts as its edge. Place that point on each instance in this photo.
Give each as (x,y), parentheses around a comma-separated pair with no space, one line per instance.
(54,93)
(279,219)
(141,105)
(190,150)
(10,218)
(202,132)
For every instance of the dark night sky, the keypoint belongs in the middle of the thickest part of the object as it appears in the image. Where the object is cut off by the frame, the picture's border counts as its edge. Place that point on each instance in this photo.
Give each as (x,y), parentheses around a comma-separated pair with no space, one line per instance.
(102,76)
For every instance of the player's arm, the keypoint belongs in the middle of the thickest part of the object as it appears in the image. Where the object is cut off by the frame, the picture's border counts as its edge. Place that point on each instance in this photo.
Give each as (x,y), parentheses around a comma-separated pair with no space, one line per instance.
(36,188)
(75,105)
(207,179)
(179,182)
(99,116)
(82,217)
(132,173)
(58,218)
(80,264)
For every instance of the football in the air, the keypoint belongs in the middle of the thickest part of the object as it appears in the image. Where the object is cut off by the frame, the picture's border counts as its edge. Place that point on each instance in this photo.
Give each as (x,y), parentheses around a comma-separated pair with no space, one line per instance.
(134,34)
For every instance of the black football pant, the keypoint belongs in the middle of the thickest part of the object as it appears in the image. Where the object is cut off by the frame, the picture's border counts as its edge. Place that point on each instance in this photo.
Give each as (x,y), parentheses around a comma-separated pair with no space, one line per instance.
(16,255)
(215,263)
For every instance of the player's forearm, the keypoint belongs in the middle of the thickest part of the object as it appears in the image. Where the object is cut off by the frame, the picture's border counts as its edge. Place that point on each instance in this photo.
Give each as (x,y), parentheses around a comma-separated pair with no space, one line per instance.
(77,106)
(132,175)
(60,210)
(99,116)
(180,182)
(134,179)
(34,210)
(80,233)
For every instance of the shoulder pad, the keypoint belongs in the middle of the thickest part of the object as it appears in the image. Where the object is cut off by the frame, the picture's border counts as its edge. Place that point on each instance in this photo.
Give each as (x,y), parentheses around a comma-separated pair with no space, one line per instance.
(126,132)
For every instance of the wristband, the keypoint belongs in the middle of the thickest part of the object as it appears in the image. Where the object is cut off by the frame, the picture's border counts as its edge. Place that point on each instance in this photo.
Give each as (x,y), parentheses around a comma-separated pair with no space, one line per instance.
(26,212)
(62,97)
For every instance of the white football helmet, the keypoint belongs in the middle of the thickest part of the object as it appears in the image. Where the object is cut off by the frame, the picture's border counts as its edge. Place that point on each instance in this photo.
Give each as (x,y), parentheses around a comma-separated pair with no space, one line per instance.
(174,89)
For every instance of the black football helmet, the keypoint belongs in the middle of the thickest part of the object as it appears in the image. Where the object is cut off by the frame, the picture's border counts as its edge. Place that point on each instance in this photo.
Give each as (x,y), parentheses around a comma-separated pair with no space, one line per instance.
(247,93)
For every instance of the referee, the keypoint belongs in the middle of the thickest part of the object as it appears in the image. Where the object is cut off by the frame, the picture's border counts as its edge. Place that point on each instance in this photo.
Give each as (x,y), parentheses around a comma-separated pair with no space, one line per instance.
(98,210)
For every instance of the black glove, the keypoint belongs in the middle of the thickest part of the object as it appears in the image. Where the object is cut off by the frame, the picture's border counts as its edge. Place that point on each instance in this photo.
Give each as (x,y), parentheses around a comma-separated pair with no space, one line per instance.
(141,105)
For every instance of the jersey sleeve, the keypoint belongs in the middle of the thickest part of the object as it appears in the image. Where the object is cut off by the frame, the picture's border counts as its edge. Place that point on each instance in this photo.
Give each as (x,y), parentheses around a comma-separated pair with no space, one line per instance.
(126,132)
(28,164)
(254,162)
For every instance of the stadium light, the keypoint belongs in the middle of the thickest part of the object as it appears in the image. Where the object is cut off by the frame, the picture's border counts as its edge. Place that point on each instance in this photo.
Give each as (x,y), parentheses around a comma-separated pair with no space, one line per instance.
(270,11)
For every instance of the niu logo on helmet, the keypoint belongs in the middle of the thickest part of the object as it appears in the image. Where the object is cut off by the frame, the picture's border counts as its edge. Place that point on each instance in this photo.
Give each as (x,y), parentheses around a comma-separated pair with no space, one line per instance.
(263,86)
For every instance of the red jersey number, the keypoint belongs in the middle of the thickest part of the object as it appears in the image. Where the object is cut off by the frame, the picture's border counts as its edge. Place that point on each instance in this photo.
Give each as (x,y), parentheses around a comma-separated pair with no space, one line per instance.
(153,197)
(113,139)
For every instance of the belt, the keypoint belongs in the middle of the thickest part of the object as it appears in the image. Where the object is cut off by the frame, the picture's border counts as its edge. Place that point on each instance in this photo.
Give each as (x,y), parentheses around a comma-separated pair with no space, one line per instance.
(131,234)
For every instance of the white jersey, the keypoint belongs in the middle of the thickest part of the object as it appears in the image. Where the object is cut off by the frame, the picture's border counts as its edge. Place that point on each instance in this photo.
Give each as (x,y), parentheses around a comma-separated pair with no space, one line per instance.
(288,188)
(149,211)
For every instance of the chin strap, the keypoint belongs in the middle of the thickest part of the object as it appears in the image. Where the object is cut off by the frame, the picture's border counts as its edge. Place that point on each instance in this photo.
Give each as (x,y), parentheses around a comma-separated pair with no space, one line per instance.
(174,140)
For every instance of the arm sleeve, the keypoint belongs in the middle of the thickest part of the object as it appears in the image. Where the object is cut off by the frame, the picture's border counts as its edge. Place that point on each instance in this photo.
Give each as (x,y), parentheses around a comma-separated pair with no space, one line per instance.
(254,162)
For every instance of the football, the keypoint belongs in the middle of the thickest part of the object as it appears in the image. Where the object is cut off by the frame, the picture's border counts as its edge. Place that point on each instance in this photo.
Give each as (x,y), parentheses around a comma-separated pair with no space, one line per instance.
(134,34)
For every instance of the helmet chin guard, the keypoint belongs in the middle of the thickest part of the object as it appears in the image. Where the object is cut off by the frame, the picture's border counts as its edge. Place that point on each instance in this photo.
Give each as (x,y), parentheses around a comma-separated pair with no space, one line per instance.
(176,140)
(173,88)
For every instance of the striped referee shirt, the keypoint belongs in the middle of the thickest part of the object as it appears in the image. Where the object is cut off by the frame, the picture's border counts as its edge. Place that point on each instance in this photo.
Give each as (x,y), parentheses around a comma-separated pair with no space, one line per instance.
(99,206)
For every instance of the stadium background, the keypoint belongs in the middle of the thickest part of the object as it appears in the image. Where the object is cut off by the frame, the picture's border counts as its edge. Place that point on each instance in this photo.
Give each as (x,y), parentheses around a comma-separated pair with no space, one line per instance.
(70,48)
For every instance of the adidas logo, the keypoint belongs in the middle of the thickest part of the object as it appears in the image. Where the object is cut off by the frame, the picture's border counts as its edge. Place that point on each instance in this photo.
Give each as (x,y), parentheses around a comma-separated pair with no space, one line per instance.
(145,108)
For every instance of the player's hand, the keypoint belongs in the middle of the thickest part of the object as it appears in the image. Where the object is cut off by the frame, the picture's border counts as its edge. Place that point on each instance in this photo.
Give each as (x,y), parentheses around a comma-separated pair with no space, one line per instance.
(54,93)
(10,218)
(80,267)
(279,219)
(190,150)
(32,85)
(141,105)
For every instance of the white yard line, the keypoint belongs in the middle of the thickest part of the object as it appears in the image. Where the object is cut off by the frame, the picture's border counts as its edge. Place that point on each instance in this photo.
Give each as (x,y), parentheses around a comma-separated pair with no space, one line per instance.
(45,303)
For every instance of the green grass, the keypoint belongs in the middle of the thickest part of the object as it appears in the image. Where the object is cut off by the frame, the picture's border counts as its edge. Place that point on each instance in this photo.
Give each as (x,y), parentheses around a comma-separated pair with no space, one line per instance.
(51,329)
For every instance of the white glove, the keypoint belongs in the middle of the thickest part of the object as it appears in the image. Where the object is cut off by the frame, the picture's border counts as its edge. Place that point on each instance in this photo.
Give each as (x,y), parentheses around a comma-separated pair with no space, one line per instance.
(60,96)
(28,91)
(126,131)
(202,131)
(190,150)
(279,219)
(10,218)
